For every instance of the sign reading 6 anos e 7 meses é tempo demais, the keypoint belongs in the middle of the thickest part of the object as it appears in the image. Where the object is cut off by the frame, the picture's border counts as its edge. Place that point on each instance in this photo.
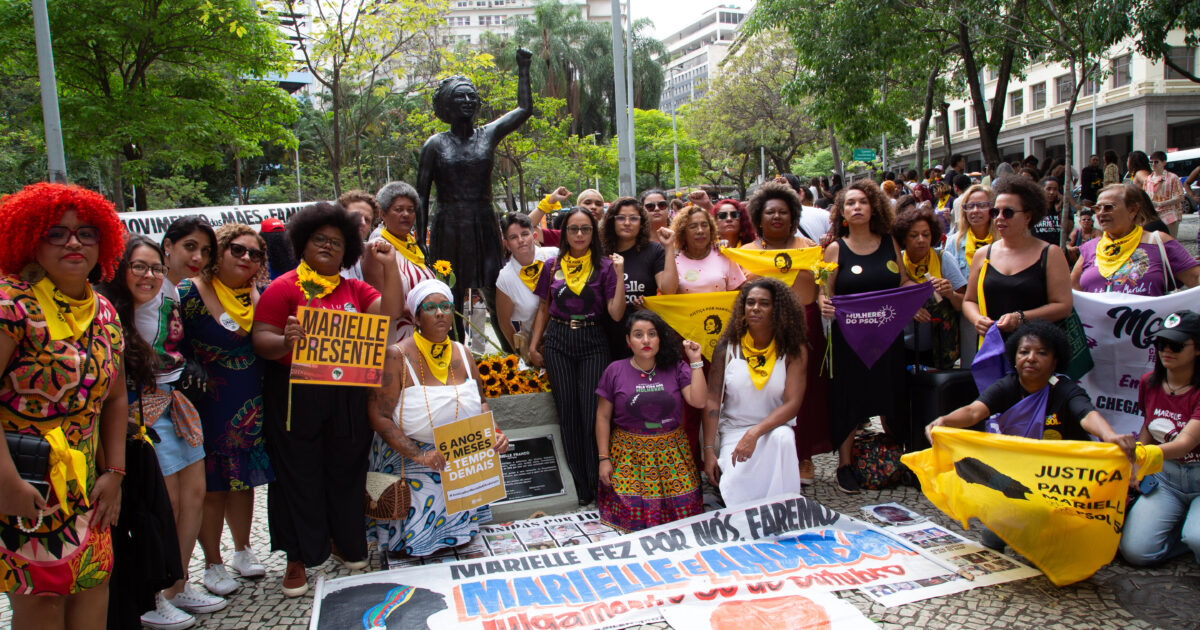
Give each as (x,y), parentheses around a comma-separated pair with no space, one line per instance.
(340,348)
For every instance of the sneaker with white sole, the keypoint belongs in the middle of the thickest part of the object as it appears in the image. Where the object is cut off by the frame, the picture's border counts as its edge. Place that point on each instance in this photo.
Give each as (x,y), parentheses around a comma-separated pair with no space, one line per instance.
(192,600)
(218,582)
(246,564)
(166,616)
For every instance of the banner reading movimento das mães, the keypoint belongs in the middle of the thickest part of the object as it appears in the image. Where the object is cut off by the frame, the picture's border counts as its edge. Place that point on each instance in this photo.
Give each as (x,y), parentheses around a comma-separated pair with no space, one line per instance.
(340,348)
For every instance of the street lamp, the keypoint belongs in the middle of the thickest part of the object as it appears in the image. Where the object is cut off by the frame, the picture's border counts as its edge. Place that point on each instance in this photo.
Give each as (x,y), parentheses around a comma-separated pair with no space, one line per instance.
(674,136)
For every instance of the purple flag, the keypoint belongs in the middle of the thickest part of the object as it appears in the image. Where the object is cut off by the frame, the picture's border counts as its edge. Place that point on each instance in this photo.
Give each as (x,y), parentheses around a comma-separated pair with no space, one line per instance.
(871,321)
(1025,419)
(990,363)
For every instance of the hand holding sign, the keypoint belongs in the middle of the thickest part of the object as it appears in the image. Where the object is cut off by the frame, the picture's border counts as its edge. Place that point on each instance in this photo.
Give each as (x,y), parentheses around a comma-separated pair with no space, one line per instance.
(292,332)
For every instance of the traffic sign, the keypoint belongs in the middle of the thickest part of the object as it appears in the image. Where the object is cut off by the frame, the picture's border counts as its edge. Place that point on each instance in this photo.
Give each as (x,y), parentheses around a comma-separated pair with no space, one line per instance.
(864,155)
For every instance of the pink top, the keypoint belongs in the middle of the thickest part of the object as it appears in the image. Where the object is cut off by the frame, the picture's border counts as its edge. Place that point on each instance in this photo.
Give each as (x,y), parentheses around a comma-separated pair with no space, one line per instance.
(713,273)
(1164,187)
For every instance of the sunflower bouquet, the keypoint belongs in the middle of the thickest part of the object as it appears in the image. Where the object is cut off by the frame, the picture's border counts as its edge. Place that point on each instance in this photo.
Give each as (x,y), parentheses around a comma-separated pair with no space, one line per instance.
(501,376)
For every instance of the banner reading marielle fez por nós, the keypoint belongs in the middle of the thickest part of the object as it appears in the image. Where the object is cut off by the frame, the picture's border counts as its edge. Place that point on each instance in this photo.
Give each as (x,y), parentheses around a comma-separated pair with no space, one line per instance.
(153,223)
(622,581)
(1119,329)
(340,348)
(472,477)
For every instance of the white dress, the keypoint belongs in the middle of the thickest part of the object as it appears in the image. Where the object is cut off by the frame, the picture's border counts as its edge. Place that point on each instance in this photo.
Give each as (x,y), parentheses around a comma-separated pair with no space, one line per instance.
(773,469)
(525,303)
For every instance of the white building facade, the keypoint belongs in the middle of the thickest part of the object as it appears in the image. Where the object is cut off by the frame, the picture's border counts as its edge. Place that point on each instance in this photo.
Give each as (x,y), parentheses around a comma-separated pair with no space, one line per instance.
(695,53)
(468,20)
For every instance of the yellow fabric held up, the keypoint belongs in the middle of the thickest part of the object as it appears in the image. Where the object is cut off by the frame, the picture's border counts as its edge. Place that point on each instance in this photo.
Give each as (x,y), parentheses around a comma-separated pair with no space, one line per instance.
(699,317)
(783,264)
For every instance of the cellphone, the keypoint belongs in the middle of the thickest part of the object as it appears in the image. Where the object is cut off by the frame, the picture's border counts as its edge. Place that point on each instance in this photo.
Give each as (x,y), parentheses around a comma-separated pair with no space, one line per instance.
(43,488)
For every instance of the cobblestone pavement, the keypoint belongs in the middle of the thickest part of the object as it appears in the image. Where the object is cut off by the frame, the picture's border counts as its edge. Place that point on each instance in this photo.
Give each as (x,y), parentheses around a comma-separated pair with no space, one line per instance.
(1162,597)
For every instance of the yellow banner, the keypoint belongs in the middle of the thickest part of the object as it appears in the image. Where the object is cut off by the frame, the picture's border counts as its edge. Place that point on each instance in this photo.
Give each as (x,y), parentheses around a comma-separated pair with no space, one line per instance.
(783,264)
(472,477)
(340,348)
(1059,503)
(700,317)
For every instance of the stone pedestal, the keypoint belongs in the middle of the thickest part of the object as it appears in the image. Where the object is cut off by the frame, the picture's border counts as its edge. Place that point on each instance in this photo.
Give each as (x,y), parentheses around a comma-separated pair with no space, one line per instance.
(533,415)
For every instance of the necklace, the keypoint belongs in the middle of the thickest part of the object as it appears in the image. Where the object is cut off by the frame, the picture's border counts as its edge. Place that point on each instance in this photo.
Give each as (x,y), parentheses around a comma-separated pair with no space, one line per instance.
(763,243)
(648,375)
(1174,391)
(425,391)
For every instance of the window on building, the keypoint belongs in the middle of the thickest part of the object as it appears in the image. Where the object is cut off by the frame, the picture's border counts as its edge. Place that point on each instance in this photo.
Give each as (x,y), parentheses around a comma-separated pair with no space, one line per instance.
(1063,86)
(1184,57)
(498,20)
(1016,103)
(991,74)
(1090,87)
(485,20)
(1120,71)
(960,120)
(465,38)
(1037,96)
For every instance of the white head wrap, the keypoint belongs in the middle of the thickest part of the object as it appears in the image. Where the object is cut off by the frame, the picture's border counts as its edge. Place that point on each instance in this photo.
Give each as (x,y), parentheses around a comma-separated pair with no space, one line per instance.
(424,289)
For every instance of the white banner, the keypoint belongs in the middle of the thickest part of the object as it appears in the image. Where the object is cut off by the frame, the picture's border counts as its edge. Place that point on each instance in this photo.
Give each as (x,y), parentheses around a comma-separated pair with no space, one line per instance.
(153,223)
(1119,329)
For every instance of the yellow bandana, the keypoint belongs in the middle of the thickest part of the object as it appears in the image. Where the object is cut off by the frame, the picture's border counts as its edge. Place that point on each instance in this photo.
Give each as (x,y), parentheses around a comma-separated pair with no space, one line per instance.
(974,243)
(65,316)
(530,273)
(932,265)
(236,302)
(437,356)
(407,247)
(576,271)
(1111,254)
(761,362)
(66,464)
(314,285)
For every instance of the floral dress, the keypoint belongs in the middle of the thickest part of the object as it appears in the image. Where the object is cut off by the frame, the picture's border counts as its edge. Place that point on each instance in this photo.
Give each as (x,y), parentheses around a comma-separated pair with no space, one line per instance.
(48,385)
(232,410)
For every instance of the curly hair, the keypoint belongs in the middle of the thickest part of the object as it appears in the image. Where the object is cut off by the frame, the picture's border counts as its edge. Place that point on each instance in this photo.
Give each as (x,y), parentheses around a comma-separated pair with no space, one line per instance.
(774,190)
(608,228)
(311,218)
(355,196)
(225,235)
(669,342)
(140,358)
(1033,196)
(787,318)
(1049,334)
(26,215)
(881,211)
(390,191)
(909,218)
(564,244)
(679,226)
(441,96)
(746,233)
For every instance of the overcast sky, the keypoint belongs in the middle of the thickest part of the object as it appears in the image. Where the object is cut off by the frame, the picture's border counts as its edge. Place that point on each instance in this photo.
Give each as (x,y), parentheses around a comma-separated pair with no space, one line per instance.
(672,15)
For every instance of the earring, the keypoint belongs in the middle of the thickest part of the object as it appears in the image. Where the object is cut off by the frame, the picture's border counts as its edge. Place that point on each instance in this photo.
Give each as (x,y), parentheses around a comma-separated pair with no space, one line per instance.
(844,224)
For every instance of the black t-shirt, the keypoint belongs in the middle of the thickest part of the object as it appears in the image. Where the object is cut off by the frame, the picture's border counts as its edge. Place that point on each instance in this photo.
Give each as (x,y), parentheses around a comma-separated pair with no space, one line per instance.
(1050,227)
(641,268)
(1065,409)
(1091,180)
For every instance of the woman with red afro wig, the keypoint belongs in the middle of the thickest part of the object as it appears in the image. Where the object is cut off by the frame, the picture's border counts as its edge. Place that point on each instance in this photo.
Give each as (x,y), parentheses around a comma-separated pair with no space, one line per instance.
(64,386)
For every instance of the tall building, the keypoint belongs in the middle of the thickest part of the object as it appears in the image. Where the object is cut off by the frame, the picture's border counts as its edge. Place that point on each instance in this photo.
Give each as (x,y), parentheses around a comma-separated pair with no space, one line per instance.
(467,20)
(298,76)
(695,53)
(1140,104)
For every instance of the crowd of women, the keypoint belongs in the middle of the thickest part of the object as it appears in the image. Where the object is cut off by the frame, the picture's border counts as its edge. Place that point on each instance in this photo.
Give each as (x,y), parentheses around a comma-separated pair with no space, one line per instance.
(199,329)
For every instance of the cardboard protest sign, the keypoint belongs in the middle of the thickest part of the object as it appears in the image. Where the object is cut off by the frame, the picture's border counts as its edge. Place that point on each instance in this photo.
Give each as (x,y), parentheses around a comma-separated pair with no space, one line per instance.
(472,477)
(340,348)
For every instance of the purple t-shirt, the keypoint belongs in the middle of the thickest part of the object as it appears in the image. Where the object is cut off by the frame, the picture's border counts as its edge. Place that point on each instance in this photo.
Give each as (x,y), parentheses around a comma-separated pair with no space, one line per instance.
(641,403)
(1142,274)
(590,302)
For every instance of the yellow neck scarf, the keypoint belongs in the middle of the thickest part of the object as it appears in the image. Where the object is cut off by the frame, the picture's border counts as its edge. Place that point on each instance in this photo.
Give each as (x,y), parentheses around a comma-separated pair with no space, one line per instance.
(1112,254)
(932,265)
(761,362)
(65,316)
(576,271)
(530,273)
(66,464)
(974,243)
(236,302)
(314,285)
(407,247)
(437,355)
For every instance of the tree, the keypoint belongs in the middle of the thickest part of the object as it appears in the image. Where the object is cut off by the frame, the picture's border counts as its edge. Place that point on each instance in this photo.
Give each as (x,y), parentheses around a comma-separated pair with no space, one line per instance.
(362,53)
(179,81)
(655,146)
(1149,22)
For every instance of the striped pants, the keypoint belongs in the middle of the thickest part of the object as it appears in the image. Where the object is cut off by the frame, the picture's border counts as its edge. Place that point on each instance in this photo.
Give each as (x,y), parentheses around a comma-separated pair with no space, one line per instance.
(575,361)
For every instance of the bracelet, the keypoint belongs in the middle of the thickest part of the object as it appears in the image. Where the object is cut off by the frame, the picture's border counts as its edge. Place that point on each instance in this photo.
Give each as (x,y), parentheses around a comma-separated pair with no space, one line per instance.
(603,459)
(709,446)
(696,365)
(114,469)
(1021,316)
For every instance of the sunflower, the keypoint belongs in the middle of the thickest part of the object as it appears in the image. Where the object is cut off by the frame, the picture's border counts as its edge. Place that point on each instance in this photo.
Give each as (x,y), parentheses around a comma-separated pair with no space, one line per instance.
(485,368)
(442,267)
(510,362)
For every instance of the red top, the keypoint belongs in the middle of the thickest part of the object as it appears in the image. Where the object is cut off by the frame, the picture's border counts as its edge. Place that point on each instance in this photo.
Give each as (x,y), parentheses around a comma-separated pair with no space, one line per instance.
(1178,410)
(283,297)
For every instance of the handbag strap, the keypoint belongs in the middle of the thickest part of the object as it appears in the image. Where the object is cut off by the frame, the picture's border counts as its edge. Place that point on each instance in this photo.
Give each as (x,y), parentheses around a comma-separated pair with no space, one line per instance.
(1156,238)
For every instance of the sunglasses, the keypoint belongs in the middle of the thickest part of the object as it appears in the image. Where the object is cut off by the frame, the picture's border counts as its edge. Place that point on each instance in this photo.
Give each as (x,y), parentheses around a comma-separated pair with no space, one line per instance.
(431,308)
(1161,344)
(578,229)
(660,205)
(239,251)
(1007,213)
(61,234)
(729,214)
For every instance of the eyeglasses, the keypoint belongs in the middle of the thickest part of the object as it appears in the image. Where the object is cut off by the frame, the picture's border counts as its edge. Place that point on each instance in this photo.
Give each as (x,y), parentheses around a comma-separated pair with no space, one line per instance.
(442,307)
(61,235)
(1161,343)
(141,269)
(1007,213)
(578,229)
(729,214)
(320,240)
(978,205)
(239,251)
(627,218)
(660,205)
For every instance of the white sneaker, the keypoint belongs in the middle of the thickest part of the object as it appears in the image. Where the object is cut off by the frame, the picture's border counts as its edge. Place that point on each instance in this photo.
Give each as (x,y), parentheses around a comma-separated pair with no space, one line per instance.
(218,582)
(165,616)
(246,564)
(194,601)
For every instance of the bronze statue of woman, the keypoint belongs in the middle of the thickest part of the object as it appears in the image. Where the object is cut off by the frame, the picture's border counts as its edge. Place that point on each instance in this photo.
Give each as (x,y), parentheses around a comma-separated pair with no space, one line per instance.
(459,162)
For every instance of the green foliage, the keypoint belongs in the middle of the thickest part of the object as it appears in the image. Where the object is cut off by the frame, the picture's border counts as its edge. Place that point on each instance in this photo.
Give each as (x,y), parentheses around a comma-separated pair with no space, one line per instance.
(654,144)
(815,164)
(1149,22)
(176,191)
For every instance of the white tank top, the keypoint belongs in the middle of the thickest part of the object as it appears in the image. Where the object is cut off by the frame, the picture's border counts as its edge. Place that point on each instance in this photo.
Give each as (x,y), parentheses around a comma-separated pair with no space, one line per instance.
(743,405)
(414,417)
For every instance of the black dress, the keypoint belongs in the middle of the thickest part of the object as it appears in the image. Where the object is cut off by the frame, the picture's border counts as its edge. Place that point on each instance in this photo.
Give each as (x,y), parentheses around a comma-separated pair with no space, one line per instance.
(856,393)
